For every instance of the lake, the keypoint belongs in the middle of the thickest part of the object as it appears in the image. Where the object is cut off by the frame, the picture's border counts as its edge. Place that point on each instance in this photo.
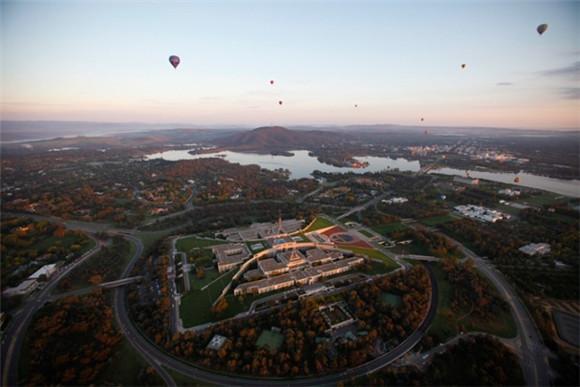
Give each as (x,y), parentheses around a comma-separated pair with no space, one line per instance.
(302,165)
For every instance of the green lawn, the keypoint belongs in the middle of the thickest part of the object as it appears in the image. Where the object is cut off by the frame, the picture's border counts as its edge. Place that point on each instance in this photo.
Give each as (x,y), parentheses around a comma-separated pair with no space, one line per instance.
(380,267)
(366,233)
(270,340)
(544,198)
(372,253)
(319,223)
(186,244)
(195,306)
(149,238)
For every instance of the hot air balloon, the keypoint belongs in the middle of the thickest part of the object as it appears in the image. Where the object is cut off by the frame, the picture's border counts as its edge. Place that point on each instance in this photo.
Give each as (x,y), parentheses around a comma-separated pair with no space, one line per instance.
(542,28)
(426,132)
(279,102)
(463,66)
(271,81)
(443,197)
(422,119)
(517,180)
(355,105)
(174,60)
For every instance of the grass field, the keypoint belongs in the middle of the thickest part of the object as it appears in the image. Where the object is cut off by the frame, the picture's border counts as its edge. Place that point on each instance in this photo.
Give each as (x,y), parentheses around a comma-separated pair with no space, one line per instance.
(372,253)
(149,238)
(366,233)
(318,224)
(195,306)
(186,244)
(270,340)
(544,198)
(390,298)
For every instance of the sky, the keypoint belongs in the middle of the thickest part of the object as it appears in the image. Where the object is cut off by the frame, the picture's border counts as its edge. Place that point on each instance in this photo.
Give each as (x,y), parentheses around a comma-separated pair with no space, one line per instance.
(332,62)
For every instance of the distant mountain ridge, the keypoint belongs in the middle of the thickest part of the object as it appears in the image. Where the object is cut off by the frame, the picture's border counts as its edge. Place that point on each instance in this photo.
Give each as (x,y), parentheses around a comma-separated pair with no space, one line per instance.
(277,137)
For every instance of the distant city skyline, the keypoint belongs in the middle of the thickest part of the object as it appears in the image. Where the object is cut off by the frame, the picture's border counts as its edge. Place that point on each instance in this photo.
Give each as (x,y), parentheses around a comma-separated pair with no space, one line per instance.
(333,63)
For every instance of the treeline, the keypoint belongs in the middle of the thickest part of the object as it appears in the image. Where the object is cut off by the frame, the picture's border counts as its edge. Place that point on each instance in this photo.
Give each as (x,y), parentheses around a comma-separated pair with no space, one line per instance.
(28,244)
(558,229)
(72,340)
(306,349)
(104,266)
(471,292)
(204,219)
(476,361)
(148,301)
(433,243)
(494,241)
(417,207)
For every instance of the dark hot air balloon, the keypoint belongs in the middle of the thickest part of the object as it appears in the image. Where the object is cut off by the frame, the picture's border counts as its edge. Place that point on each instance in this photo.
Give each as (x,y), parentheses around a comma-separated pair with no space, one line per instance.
(422,119)
(355,105)
(542,28)
(463,66)
(174,60)
(279,102)
(271,81)
(517,180)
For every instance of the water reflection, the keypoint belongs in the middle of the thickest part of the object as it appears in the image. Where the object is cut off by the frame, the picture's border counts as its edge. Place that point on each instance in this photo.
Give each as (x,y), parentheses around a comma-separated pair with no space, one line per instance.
(302,165)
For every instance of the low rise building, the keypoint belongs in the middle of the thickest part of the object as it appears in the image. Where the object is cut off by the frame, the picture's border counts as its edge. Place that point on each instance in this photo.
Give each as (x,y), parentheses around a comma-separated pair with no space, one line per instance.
(271,266)
(481,213)
(230,255)
(535,249)
(46,270)
(306,276)
(24,288)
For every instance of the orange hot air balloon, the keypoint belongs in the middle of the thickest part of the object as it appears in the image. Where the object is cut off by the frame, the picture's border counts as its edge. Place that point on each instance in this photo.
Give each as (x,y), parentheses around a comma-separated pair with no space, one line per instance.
(426,132)
(517,180)
(174,60)
(271,81)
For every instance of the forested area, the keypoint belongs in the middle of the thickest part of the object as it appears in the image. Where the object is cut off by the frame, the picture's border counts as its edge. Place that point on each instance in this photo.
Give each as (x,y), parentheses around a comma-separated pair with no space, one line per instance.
(433,243)
(495,240)
(71,340)
(307,348)
(471,292)
(28,244)
(417,207)
(476,361)
(104,266)
(148,301)
(207,219)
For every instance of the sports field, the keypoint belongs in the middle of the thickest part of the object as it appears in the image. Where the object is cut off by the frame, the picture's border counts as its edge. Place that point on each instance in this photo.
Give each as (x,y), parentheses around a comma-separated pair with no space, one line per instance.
(270,340)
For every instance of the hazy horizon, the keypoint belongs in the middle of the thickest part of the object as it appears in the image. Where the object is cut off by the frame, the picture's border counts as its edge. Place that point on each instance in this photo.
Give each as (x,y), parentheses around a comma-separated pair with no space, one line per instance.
(332,63)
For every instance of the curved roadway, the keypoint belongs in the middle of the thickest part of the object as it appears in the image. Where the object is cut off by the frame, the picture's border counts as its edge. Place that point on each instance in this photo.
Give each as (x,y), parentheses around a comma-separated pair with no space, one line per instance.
(534,363)
(158,357)
(14,336)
